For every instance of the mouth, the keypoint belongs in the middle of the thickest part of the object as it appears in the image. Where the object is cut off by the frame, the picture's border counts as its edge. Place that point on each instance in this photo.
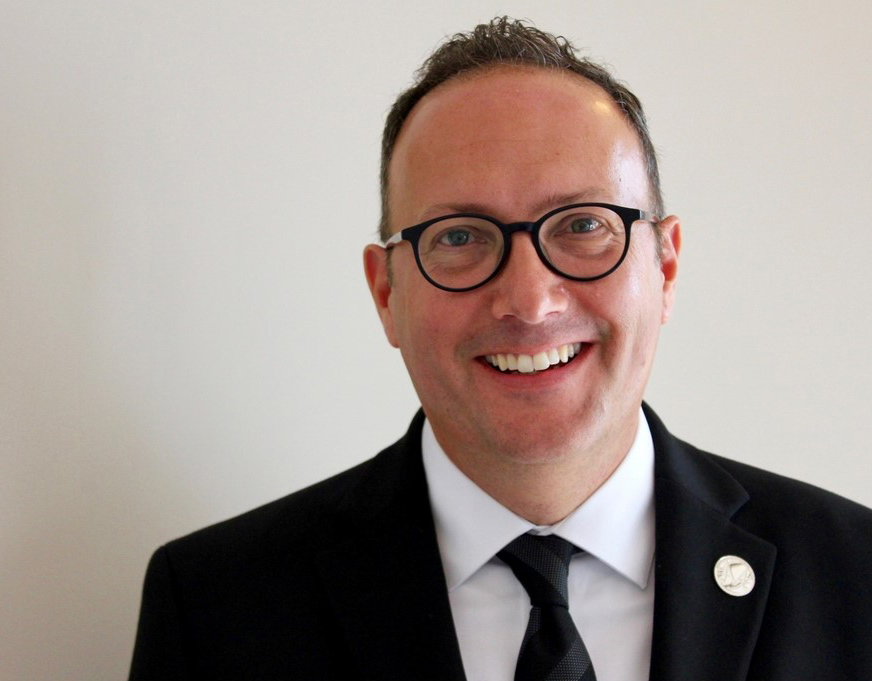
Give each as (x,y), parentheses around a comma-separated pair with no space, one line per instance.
(530,364)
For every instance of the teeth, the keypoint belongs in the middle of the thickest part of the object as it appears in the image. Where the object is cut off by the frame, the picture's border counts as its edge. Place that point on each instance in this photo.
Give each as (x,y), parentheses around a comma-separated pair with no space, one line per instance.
(527,364)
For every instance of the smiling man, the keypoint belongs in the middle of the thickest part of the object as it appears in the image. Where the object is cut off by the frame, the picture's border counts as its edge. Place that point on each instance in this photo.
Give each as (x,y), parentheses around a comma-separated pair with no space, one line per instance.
(515,143)
(536,521)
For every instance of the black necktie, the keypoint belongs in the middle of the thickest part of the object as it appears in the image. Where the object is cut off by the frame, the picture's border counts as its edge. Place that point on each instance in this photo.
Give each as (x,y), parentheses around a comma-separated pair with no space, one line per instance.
(552,649)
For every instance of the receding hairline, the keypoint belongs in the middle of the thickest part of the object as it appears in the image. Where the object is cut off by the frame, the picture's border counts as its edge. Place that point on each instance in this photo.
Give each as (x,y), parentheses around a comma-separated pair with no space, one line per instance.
(485,70)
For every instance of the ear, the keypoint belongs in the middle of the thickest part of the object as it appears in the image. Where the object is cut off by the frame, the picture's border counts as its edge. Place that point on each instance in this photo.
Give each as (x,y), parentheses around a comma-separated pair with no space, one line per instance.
(670,236)
(375,265)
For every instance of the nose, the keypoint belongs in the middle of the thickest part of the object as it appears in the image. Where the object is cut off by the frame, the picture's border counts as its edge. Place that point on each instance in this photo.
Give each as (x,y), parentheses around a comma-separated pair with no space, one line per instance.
(526,289)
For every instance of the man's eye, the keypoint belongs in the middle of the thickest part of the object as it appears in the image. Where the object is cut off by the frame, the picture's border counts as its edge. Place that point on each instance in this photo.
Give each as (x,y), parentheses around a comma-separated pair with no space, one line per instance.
(456,237)
(583,225)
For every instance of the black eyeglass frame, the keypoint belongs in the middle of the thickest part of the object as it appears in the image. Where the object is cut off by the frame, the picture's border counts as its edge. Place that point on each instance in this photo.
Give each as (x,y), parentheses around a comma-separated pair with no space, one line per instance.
(628,215)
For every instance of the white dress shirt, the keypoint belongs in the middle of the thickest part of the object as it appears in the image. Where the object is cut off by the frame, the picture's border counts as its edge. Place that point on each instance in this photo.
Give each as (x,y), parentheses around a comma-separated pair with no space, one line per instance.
(611,585)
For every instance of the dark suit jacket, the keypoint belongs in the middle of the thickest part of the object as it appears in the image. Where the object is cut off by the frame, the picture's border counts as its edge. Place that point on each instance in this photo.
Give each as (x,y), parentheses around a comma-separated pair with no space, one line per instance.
(343,580)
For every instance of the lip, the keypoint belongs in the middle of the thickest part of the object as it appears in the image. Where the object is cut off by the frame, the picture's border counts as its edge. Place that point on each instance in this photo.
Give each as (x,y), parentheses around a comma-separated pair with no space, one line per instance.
(530,349)
(540,361)
(538,380)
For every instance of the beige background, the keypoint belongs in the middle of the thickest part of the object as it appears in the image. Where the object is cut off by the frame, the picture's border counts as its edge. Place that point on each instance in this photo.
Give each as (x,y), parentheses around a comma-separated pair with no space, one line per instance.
(185,190)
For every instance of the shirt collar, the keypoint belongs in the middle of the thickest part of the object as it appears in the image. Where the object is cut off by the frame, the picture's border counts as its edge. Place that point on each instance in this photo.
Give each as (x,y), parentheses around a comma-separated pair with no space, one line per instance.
(615,524)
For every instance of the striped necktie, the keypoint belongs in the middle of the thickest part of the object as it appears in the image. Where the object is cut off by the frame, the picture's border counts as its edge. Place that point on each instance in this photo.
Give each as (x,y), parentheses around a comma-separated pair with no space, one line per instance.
(552,649)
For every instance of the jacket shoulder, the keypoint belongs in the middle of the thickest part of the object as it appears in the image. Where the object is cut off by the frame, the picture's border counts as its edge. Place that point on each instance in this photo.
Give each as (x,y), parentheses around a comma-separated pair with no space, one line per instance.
(293,515)
(308,519)
(748,494)
(777,501)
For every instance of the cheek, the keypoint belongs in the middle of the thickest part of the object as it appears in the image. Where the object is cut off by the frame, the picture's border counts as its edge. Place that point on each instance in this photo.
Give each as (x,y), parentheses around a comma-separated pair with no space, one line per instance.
(648,302)
(423,324)
(632,306)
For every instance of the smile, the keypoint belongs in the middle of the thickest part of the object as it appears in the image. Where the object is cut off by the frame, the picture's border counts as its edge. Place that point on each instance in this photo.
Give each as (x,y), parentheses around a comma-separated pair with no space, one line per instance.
(528,364)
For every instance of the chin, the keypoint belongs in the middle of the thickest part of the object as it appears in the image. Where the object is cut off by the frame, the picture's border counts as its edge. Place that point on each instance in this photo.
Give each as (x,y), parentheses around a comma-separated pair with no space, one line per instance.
(591,426)
(541,445)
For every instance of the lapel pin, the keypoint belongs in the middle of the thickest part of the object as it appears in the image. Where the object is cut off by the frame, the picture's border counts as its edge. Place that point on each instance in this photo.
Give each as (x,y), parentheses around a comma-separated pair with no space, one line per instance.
(734,575)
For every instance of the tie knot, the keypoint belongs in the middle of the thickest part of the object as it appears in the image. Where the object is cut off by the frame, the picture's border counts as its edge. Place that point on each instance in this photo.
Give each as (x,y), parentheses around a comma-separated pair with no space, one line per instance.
(541,564)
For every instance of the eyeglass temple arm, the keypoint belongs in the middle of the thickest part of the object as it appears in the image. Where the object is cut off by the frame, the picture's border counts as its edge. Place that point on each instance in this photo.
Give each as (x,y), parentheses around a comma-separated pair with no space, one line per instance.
(395,239)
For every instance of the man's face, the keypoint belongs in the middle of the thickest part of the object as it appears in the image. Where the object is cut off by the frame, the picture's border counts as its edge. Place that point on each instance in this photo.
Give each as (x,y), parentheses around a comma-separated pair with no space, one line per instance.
(514,143)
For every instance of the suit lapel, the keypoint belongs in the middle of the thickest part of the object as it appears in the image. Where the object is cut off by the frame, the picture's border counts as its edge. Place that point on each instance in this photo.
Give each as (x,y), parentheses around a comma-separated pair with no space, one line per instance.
(383,574)
(701,632)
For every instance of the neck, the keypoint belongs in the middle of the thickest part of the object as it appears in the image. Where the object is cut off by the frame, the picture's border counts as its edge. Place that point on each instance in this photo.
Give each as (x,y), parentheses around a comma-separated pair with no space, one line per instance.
(548,489)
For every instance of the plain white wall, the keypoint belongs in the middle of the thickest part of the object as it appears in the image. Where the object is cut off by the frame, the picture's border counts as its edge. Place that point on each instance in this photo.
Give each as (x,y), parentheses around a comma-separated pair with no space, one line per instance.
(185,190)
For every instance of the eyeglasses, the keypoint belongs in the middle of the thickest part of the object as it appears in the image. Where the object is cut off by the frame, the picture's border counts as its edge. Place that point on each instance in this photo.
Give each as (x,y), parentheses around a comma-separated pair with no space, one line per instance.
(462,251)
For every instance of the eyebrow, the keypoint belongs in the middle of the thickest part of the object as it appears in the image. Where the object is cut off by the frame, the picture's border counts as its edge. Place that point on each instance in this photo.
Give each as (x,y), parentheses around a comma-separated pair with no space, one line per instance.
(541,207)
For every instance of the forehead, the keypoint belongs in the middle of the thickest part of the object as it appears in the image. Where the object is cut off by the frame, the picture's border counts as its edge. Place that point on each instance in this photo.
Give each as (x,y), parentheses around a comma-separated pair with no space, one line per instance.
(509,138)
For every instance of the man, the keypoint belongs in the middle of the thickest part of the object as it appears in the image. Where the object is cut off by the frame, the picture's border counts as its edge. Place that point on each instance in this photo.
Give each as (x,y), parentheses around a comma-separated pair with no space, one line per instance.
(527,268)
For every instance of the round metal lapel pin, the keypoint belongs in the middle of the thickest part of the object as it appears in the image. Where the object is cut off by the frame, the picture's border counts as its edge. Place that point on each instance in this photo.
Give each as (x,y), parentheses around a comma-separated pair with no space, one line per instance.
(734,575)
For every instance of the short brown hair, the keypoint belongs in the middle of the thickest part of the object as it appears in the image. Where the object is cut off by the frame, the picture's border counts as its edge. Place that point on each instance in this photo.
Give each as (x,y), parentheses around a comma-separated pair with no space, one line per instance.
(513,42)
